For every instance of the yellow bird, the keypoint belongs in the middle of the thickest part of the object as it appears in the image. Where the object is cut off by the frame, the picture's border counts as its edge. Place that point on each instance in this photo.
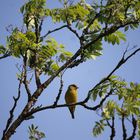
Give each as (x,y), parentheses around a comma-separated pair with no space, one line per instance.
(71,97)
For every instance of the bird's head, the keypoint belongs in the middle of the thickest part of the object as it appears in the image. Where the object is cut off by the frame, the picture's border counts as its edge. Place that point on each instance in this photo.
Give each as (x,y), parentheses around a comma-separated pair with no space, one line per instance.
(73,86)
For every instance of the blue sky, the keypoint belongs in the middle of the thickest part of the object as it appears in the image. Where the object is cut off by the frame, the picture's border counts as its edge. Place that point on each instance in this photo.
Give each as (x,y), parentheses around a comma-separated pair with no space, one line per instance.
(57,123)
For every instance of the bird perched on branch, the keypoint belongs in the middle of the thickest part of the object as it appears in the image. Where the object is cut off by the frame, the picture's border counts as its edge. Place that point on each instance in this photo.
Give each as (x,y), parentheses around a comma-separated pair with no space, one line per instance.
(71,98)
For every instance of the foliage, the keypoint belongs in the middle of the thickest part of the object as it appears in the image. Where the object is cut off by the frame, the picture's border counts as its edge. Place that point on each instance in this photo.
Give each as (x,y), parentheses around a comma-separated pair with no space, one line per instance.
(127,105)
(94,20)
(34,133)
(49,53)
(92,24)
(98,128)
(33,12)
(2,49)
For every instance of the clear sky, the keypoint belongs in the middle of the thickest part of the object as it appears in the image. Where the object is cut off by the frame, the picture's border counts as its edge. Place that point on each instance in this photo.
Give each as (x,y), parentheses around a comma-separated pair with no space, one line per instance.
(57,123)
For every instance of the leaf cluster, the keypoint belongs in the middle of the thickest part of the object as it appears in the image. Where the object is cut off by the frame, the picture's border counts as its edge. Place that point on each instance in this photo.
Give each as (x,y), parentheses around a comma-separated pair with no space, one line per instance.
(124,104)
(33,12)
(47,56)
(34,133)
(19,42)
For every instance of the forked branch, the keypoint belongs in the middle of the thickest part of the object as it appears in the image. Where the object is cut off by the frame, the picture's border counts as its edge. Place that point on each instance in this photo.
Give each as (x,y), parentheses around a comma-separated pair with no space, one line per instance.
(123,60)
(16,99)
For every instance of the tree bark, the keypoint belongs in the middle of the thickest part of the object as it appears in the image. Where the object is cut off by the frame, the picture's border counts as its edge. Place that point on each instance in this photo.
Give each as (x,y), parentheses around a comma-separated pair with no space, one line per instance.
(13,127)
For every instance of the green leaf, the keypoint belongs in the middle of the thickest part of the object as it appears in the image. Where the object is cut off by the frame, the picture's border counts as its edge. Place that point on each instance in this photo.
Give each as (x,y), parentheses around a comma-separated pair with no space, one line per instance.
(54,66)
(115,37)
(112,77)
(34,133)
(2,49)
(132,85)
(121,35)
(94,95)
(111,106)
(98,128)
(126,28)
(22,9)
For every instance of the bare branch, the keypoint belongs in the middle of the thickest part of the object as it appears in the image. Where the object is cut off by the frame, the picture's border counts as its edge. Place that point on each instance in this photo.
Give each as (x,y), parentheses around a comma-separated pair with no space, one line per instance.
(16,99)
(124,128)
(27,89)
(112,129)
(108,123)
(134,123)
(25,78)
(40,26)
(37,77)
(7,54)
(73,31)
(76,62)
(49,32)
(60,91)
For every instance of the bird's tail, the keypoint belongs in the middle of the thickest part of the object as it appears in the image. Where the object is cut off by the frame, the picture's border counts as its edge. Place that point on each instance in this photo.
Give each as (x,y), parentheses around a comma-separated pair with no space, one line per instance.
(72,114)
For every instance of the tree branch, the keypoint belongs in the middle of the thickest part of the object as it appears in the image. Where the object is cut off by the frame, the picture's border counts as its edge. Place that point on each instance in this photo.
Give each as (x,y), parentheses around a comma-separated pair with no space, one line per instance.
(112,129)
(120,63)
(91,22)
(26,111)
(82,103)
(73,31)
(7,54)
(60,91)
(37,77)
(51,31)
(76,62)
(37,33)
(100,103)
(25,78)
(124,128)
(134,123)
(16,99)
(108,123)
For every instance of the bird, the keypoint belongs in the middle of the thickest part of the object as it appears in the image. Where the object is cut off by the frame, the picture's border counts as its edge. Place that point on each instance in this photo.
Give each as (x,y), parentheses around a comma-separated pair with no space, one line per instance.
(71,98)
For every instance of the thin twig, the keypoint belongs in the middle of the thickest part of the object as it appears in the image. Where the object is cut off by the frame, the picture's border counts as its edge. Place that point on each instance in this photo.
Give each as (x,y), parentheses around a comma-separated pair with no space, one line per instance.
(51,31)
(73,31)
(60,91)
(108,123)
